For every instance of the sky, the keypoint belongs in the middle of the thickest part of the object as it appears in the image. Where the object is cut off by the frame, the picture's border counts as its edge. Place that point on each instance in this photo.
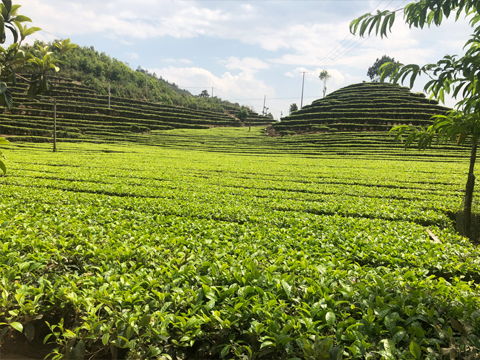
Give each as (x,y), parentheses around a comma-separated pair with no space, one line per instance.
(244,50)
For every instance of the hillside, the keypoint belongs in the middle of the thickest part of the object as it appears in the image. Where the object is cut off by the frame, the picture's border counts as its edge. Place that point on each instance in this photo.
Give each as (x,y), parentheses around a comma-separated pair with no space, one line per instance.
(99,72)
(364,106)
(85,115)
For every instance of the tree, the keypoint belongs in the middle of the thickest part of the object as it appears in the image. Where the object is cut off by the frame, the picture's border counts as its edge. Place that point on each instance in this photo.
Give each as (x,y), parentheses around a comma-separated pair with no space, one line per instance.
(374,71)
(324,76)
(293,108)
(204,94)
(12,57)
(456,75)
(243,115)
(454,126)
(43,61)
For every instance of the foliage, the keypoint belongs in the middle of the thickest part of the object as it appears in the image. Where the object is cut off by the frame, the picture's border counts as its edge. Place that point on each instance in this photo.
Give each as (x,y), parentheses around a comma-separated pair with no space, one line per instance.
(99,71)
(374,71)
(243,114)
(454,75)
(12,58)
(293,108)
(451,75)
(204,94)
(363,106)
(324,76)
(215,254)
(455,126)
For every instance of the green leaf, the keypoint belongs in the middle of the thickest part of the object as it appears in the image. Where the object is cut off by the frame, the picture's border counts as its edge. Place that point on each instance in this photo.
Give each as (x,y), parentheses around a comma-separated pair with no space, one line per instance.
(17,326)
(330,318)
(22,18)
(3,167)
(7,4)
(287,288)
(415,349)
(105,338)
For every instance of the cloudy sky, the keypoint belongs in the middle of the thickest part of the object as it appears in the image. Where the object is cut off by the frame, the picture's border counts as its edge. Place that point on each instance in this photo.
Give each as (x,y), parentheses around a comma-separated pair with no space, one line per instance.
(245,50)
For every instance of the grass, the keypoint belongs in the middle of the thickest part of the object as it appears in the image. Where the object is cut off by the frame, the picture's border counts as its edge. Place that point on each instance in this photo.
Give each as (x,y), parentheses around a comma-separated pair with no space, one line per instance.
(224,243)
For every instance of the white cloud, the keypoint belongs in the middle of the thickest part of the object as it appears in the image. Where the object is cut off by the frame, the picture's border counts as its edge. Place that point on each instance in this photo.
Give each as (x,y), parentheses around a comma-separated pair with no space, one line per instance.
(242,87)
(247,64)
(293,40)
(124,19)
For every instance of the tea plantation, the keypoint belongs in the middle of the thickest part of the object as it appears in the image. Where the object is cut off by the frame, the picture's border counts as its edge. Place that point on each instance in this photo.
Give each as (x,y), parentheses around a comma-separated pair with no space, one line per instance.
(224,243)
(84,115)
(364,106)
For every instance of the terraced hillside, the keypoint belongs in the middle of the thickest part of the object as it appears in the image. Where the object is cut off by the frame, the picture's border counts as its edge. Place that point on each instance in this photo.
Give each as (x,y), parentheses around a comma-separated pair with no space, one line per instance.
(364,106)
(82,114)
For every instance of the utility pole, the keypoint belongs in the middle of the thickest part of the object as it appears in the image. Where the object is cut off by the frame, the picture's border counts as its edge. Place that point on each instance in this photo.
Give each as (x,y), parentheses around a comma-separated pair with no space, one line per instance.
(303,84)
(264,101)
(109,96)
(212,91)
(54,125)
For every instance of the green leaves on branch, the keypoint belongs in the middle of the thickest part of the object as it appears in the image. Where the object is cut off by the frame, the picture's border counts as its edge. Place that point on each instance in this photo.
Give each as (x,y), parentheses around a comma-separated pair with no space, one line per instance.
(417,14)
(410,135)
(379,23)
(454,126)
(6,98)
(458,76)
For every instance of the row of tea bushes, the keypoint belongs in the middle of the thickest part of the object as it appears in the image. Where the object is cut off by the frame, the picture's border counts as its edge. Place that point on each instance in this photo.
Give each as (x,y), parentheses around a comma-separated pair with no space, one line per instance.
(365,106)
(83,114)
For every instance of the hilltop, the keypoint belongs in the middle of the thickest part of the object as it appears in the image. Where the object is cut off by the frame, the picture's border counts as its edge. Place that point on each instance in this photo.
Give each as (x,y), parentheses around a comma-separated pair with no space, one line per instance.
(362,107)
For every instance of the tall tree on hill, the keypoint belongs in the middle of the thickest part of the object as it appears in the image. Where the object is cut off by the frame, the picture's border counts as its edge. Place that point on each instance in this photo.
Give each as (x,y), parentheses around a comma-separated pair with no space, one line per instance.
(374,71)
(293,108)
(204,94)
(456,75)
(324,76)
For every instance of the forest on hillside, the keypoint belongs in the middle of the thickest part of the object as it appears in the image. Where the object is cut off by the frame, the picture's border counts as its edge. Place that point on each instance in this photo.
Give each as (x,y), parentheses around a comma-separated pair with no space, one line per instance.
(99,71)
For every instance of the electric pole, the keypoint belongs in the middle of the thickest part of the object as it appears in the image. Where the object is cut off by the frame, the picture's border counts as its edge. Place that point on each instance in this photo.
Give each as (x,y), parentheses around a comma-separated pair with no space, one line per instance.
(264,101)
(212,91)
(109,96)
(54,124)
(303,84)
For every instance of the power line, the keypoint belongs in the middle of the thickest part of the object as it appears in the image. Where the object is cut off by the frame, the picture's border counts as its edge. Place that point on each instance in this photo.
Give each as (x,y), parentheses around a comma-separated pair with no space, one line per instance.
(341,50)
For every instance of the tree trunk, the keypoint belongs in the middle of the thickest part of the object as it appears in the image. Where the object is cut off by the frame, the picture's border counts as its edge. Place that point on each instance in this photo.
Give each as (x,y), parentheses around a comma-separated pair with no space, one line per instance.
(467,206)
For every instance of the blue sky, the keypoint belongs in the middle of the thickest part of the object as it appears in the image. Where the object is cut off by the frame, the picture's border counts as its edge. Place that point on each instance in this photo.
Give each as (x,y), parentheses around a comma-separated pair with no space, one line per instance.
(243,49)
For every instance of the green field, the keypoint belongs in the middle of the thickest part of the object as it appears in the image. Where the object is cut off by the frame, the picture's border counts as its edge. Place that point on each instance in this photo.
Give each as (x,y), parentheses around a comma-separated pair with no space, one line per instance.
(224,243)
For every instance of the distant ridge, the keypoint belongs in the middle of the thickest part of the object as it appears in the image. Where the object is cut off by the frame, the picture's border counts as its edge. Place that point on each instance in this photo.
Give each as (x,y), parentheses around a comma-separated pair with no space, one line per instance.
(362,107)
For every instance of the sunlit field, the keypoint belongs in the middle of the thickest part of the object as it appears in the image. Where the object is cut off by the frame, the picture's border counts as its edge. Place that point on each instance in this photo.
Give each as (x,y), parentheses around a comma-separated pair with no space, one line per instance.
(225,243)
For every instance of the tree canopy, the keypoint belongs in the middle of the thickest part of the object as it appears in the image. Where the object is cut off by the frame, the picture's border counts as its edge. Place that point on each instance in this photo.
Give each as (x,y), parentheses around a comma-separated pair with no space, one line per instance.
(324,76)
(293,108)
(374,71)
